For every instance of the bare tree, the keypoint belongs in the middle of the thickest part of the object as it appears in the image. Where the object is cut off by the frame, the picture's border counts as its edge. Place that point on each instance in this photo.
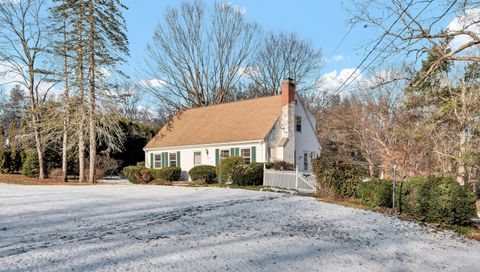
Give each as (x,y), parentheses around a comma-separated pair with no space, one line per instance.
(422,29)
(23,42)
(281,56)
(198,54)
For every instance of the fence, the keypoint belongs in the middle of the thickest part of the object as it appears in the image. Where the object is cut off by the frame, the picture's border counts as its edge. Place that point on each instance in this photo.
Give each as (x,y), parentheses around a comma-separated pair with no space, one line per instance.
(295,180)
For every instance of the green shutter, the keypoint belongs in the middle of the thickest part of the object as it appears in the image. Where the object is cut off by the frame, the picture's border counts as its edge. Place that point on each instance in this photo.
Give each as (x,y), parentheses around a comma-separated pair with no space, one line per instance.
(254,154)
(237,151)
(165,159)
(178,158)
(217,156)
(151,161)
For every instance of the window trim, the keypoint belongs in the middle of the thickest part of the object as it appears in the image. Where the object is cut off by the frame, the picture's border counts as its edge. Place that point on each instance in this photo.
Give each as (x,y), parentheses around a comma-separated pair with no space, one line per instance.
(200,154)
(159,155)
(245,157)
(222,150)
(170,159)
(298,123)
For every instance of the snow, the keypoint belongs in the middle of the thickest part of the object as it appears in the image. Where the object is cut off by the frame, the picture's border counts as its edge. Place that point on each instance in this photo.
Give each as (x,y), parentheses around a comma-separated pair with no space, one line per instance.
(156,228)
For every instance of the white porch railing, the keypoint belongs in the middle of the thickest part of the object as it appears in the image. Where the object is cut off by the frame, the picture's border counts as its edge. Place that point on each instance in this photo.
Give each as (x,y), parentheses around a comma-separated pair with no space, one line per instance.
(294,180)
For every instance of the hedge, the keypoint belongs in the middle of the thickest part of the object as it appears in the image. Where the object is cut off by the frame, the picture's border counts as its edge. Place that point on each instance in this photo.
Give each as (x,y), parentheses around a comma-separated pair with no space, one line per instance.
(141,174)
(225,167)
(375,193)
(437,199)
(248,175)
(337,178)
(168,173)
(280,166)
(204,173)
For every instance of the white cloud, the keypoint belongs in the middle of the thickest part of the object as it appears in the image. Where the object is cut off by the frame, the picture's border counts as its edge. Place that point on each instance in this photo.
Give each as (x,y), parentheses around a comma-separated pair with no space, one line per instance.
(335,58)
(332,81)
(467,21)
(152,83)
(239,9)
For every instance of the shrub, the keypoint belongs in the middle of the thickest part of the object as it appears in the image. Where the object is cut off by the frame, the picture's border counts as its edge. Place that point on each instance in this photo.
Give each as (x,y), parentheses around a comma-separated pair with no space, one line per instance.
(55,173)
(280,166)
(437,199)
(3,170)
(142,163)
(337,178)
(225,167)
(168,173)
(30,167)
(248,174)
(375,193)
(132,173)
(203,173)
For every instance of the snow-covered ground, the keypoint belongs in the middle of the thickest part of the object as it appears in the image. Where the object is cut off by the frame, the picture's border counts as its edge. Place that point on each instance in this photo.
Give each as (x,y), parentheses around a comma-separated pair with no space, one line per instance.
(155,228)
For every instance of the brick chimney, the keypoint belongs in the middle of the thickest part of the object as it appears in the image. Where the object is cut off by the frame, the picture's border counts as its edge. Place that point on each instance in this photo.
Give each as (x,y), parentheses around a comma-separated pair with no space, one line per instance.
(286,152)
(288,91)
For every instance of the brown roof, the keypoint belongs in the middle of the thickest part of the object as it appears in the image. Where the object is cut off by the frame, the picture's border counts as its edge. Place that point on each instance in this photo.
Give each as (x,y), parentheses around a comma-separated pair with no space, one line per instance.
(230,122)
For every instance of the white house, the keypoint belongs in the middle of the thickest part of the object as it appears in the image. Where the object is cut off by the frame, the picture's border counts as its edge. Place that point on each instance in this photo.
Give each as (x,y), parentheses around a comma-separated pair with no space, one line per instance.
(273,128)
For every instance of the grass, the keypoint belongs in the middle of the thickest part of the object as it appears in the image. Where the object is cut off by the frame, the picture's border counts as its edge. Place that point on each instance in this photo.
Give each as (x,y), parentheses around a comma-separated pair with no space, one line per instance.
(23,180)
(472,232)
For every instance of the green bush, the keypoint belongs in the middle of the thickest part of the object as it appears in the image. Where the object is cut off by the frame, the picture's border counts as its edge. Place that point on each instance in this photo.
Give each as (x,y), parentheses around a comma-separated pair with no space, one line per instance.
(30,167)
(337,178)
(280,166)
(203,173)
(375,193)
(248,174)
(132,173)
(168,173)
(437,199)
(225,167)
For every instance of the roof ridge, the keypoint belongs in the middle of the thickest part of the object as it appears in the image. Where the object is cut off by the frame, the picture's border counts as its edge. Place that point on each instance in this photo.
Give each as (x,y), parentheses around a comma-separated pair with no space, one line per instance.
(232,102)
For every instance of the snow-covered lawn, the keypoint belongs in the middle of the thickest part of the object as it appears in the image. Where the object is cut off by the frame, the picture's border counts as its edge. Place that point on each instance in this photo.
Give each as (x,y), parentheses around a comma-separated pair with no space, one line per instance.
(155,228)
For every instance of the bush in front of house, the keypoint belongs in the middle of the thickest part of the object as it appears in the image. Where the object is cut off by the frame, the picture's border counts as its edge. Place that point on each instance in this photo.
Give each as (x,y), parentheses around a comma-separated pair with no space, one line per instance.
(280,166)
(437,199)
(169,173)
(248,174)
(132,173)
(375,193)
(337,178)
(206,173)
(225,167)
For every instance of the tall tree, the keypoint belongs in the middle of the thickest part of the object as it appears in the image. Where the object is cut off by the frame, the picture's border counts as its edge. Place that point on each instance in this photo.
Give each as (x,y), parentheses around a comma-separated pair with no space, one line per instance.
(199,54)
(107,44)
(23,43)
(281,56)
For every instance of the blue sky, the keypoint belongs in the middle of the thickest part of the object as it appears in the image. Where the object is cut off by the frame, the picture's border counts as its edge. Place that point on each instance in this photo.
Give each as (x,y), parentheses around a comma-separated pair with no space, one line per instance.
(324,22)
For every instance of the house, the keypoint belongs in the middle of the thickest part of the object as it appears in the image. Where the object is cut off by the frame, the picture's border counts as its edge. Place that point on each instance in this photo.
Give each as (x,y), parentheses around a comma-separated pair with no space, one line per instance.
(265,129)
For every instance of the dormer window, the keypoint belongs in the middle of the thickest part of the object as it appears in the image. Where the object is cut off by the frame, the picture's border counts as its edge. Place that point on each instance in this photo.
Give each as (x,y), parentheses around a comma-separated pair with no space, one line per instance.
(298,123)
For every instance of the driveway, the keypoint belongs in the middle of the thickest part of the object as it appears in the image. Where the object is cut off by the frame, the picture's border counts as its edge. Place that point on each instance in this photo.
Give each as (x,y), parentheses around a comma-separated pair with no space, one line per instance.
(155,228)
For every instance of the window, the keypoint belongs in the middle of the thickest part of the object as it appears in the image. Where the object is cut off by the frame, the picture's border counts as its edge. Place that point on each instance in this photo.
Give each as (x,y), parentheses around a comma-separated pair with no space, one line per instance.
(173,159)
(298,123)
(224,153)
(197,158)
(245,153)
(305,161)
(157,161)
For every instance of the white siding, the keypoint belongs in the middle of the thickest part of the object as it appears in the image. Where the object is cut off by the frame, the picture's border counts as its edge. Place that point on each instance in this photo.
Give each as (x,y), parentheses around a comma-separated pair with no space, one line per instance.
(207,154)
(306,140)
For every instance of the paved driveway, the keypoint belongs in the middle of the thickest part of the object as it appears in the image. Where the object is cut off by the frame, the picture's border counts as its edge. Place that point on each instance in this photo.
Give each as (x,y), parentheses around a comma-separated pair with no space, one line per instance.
(155,228)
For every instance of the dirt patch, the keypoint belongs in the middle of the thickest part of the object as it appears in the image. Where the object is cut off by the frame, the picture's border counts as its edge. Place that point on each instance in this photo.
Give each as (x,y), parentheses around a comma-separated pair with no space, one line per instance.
(21,179)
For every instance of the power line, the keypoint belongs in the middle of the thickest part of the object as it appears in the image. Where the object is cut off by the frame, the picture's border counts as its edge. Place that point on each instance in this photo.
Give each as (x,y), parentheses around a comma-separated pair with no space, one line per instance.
(347,82)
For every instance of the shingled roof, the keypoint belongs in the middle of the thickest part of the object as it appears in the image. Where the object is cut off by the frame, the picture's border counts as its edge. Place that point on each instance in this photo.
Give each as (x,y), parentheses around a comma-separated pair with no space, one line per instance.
(230,122)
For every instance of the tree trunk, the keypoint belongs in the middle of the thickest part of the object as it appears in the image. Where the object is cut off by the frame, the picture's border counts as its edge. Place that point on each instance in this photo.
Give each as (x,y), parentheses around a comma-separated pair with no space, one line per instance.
(81,136)
(66,121)
(91,94)
(35,123)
